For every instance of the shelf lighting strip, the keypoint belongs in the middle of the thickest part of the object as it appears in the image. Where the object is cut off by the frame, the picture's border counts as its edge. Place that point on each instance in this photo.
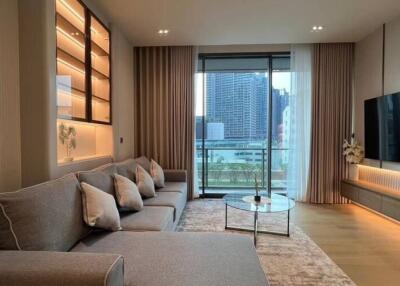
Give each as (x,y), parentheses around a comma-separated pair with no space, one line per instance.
(74,68)
(66,5)
(70,66)
(74,40)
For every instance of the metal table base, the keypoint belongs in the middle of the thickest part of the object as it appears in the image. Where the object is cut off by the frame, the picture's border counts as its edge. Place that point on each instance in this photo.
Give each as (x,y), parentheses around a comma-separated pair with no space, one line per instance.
(255,229)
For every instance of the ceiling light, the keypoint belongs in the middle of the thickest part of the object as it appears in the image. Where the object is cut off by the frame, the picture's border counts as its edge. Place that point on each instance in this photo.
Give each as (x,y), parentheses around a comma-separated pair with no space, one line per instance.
(163,32)
(317,28)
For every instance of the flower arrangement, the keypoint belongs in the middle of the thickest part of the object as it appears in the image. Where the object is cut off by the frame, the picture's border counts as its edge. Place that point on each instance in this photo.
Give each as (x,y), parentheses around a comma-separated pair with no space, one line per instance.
(67,135)
(353,151)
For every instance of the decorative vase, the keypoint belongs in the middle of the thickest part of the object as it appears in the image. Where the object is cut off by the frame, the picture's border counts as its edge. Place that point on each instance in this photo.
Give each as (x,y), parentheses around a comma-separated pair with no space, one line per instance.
(353,172)
(68,159)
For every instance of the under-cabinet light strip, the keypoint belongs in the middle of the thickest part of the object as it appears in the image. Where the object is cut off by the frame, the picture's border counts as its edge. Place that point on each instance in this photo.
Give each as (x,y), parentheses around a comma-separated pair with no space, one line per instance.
(66,5)
(74,67)
(70,66)
(74,40)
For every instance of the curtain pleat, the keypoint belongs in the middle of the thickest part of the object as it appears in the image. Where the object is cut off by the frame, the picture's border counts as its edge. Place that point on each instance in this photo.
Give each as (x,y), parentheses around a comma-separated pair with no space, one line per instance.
(331,120)
(164,107)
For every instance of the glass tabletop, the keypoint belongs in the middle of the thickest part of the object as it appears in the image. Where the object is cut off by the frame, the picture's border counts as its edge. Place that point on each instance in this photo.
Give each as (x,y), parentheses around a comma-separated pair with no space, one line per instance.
(246,202)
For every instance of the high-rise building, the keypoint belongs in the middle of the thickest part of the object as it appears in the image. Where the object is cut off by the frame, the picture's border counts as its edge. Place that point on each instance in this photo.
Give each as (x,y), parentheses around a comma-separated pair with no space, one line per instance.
(240,102)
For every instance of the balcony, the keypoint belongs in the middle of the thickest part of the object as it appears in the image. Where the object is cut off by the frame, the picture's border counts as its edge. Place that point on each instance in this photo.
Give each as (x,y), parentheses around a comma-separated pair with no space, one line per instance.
(228,170)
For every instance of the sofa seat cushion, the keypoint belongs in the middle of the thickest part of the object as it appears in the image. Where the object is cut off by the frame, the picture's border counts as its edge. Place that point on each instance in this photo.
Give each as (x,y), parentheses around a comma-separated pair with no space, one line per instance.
(168,199)
(47,216)
(181,259)
(149,219)
(180,187)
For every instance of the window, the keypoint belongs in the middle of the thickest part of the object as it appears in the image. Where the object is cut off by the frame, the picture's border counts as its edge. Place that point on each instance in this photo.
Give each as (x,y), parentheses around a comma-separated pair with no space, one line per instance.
(242,118)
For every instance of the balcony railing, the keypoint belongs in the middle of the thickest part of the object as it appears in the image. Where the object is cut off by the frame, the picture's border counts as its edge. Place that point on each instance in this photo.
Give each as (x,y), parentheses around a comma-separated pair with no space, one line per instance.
(236,167)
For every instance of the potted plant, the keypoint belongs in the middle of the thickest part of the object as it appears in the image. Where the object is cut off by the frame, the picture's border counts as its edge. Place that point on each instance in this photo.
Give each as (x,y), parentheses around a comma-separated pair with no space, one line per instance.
(66,135)
(354,154)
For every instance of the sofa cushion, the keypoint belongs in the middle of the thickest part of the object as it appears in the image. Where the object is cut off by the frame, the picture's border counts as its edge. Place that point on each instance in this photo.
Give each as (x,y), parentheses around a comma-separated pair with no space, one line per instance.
(157,174)
(169,199)
(101,178)
(144,162)
(180,187)
(149,218)
(47,216)
(181,259)
(99,208)
(145,183)
(127,169)
(127,194)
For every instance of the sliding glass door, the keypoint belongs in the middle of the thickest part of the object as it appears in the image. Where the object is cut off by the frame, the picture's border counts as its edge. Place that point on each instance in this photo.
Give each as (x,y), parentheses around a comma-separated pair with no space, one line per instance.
(240,107)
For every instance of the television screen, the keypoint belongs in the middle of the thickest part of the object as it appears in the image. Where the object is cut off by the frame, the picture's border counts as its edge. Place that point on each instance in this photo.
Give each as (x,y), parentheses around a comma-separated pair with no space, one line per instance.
(371,126)
(382,128)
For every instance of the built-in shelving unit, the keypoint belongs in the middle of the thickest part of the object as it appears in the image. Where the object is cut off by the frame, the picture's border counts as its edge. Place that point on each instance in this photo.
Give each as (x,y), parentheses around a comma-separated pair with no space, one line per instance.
(83,64)
(83,79)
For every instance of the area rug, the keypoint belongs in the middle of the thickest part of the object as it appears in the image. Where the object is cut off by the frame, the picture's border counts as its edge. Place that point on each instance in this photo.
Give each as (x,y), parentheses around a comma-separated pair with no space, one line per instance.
(287,261)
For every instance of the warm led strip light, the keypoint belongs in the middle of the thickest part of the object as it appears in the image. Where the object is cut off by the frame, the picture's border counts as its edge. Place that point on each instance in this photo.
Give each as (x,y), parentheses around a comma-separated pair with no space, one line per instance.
(74,40)
(74,68)
(66,5)
(71,66)
(60,91)
(70,37)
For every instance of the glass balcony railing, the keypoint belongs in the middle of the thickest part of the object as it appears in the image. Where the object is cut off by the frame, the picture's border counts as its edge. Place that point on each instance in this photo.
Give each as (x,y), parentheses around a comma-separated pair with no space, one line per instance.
(236,168)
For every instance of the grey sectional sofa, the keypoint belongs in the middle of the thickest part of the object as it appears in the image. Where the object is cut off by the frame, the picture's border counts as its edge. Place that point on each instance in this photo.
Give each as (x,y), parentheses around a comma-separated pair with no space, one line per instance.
(44,240)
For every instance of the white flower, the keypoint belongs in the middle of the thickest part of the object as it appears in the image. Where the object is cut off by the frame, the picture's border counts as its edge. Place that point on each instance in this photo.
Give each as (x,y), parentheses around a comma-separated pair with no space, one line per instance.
(353,151)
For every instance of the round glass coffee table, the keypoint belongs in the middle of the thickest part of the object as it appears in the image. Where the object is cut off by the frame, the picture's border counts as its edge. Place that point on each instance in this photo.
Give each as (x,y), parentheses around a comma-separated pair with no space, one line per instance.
(246,202)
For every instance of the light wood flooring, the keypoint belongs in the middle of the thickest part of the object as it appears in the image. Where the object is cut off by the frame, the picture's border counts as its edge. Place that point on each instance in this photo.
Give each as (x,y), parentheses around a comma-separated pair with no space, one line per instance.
(363,244)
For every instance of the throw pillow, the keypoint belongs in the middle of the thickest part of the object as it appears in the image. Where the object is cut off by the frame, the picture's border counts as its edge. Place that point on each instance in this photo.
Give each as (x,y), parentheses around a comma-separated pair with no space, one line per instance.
(127,193)
(99,208)
(145,183)
(157,174)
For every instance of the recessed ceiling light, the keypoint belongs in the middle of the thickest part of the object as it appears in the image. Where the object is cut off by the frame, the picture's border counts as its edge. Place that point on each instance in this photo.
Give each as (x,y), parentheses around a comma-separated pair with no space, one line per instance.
(317,28)
(163,31)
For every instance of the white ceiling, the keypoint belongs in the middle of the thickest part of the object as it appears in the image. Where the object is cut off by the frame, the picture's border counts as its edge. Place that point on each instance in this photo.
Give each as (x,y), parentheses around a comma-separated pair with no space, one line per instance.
(227,22)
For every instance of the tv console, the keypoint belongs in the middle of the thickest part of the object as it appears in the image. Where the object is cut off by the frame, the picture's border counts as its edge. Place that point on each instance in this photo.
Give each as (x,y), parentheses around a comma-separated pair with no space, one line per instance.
(380,199)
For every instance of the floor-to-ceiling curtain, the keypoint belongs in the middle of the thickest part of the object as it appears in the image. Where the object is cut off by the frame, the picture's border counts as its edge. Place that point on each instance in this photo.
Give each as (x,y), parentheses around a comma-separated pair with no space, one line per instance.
(300,122)
(332,87)
(164,106)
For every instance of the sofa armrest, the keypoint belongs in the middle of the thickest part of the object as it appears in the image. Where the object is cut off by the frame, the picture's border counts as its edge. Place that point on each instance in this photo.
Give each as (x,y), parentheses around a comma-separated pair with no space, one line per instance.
(172,175)
(23,268)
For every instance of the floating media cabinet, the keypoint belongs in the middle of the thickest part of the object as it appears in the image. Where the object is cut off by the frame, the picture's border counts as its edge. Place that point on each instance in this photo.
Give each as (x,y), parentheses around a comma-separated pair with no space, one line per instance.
(380,199)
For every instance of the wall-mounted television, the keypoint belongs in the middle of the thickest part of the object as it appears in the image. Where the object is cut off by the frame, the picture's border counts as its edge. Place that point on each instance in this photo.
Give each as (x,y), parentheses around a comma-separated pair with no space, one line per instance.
(382,127)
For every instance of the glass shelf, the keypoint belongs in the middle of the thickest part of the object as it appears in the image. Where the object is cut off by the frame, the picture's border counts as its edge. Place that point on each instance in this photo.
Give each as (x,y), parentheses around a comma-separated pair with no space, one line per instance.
(82,59)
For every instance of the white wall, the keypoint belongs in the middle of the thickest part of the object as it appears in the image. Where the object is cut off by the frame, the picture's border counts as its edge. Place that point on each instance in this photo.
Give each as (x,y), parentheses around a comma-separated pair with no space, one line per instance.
(122,93)
(10,155)
(244,48)
(368,74)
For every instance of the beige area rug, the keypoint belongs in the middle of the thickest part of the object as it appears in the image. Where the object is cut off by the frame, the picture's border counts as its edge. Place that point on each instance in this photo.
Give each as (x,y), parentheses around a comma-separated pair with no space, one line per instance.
(292,261)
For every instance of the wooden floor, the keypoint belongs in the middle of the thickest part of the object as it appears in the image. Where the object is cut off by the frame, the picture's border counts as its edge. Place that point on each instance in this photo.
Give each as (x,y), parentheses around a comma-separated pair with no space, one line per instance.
(365,245)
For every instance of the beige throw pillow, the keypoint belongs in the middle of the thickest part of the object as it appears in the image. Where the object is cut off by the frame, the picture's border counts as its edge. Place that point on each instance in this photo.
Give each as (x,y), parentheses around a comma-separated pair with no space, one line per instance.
(157,174)
(127,193)
(145,183)
(99,208)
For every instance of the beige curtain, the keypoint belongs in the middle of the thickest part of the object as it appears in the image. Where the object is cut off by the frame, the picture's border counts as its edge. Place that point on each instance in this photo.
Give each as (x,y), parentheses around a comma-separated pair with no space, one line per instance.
(331,120)
(164,107)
